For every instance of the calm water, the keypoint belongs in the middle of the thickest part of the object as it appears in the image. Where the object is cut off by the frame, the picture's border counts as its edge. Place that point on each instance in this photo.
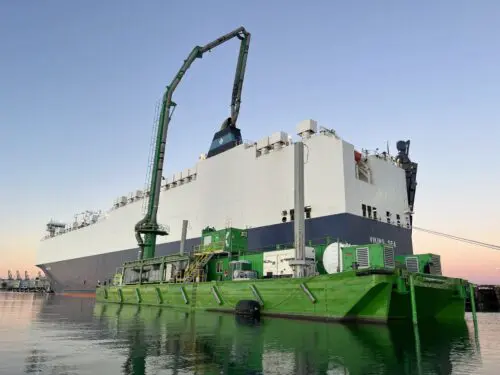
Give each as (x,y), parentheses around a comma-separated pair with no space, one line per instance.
(63,335)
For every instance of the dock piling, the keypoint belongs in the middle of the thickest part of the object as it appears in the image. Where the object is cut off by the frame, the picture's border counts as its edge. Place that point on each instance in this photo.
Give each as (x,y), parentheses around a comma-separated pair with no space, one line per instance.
(414,316)
(473,308)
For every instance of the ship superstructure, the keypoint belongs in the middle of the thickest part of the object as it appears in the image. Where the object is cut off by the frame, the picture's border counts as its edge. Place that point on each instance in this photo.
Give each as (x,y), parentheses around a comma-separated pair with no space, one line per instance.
(355,196)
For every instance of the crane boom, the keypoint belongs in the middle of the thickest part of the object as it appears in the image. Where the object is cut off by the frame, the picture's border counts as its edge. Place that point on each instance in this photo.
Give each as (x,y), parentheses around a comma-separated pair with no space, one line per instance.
(148,225)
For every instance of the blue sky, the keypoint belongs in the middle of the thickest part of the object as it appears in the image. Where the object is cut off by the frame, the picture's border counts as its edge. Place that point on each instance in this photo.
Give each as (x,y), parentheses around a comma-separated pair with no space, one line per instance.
(79,82)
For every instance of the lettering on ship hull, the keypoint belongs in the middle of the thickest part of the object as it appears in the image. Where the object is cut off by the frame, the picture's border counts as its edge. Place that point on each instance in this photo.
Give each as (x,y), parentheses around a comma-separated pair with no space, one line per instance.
(381,240)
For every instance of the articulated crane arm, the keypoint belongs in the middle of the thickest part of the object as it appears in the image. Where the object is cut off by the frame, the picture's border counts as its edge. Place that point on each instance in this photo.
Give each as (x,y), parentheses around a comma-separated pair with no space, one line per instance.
(148,226)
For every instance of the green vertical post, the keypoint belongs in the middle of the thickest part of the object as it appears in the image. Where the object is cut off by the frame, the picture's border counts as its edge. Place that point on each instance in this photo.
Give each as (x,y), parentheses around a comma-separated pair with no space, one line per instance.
(414,318)
(413,301)
(140,274)
(418,351)
(473,307)
(162,266)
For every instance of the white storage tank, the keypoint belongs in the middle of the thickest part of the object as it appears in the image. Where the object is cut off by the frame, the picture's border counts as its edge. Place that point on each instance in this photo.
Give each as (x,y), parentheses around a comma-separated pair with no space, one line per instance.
(332,257)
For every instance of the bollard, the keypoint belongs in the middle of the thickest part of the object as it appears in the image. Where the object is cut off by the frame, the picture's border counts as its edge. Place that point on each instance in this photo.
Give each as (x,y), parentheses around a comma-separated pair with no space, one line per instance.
(414,318)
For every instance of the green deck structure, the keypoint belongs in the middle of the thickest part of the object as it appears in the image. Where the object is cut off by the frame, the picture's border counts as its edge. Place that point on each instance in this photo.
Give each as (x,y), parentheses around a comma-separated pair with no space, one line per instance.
(372,285)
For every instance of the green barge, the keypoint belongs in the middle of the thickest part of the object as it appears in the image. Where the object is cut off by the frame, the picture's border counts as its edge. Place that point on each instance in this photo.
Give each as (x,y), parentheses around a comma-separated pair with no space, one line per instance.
(371,283)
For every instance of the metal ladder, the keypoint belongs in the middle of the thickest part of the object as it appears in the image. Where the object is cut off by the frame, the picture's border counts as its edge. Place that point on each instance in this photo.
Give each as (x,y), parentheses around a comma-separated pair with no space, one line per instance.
(152,147)
(201,261)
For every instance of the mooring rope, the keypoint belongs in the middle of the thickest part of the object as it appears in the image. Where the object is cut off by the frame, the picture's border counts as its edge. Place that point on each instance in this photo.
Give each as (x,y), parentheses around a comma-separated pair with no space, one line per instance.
(461,239)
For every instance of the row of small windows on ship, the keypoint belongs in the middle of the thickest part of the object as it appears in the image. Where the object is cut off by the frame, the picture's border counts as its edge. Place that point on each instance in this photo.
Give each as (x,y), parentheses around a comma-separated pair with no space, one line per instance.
(284,214)
(371,213)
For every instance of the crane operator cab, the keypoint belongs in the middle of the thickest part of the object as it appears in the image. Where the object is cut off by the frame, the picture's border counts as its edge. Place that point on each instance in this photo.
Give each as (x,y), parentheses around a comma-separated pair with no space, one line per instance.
(228,137)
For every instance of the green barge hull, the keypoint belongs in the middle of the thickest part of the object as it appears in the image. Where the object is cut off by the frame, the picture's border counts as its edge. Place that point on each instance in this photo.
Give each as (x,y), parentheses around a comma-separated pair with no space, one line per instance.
(368,296)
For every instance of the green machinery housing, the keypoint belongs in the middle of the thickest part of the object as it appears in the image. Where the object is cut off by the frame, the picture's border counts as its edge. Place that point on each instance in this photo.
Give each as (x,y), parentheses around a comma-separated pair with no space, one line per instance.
(223,255)
(381,256)
(421,263)
(219,254)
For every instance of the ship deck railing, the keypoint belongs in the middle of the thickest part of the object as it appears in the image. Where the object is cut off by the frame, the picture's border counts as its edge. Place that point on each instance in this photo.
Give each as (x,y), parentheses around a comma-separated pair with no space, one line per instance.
(218,247)
(157,260)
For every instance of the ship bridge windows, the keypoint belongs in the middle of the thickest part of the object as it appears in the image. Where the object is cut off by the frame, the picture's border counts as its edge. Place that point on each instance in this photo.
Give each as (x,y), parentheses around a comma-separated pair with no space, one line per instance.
(284,215)
(307,214)
(307,210)
(369,211)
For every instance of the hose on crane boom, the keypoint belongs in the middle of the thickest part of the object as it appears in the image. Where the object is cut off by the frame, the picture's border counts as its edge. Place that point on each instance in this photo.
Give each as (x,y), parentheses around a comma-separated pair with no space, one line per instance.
(148,225)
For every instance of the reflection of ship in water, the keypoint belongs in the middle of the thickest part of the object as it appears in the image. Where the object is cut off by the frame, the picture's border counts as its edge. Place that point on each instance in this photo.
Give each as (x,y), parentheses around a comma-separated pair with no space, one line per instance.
(147,340)
(205,343)
(54,313)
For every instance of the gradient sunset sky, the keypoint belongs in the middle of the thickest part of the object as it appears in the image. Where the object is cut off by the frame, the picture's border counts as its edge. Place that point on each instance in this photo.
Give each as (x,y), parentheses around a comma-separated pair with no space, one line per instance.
(79,81)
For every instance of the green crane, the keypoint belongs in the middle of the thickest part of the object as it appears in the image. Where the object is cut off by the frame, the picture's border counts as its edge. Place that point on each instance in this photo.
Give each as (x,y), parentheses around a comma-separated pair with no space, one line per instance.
(149,226)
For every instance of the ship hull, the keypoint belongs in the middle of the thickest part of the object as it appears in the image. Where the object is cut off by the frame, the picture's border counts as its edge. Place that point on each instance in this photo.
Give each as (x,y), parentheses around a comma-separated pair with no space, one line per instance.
(82,274)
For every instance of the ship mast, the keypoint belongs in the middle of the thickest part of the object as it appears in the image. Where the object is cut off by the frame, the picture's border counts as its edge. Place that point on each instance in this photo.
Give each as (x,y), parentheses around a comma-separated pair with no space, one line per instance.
(149,226)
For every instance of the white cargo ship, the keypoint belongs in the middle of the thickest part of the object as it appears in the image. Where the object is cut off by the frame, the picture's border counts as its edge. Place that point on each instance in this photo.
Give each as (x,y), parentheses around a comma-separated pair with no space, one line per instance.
(357,197)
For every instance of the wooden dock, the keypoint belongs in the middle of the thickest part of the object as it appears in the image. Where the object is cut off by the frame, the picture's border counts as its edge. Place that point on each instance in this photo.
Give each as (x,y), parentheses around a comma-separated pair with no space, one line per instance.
(487,298)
